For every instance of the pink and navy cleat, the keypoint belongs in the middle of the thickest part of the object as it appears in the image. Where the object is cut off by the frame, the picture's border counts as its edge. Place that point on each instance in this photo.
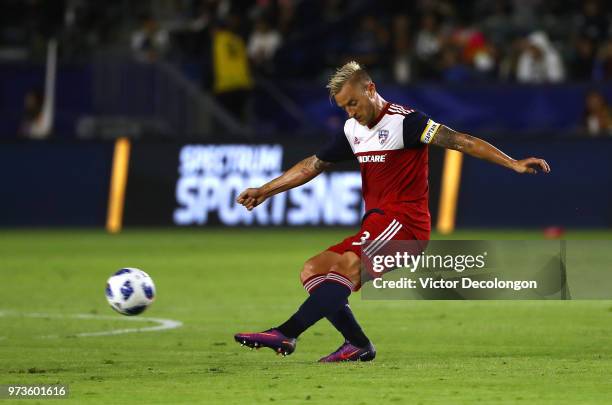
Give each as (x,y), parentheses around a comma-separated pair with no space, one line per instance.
(271,338)
(348,352)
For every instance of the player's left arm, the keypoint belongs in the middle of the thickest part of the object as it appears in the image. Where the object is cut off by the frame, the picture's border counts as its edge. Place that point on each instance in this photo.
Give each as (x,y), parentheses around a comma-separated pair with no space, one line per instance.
(451,139)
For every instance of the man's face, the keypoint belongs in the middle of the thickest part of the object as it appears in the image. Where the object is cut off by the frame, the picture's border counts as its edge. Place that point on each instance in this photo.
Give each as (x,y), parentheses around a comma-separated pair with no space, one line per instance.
(357,99)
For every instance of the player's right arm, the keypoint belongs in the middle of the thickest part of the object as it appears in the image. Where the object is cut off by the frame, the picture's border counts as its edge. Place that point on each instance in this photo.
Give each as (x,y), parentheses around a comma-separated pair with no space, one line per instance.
(336,150)
(299,174)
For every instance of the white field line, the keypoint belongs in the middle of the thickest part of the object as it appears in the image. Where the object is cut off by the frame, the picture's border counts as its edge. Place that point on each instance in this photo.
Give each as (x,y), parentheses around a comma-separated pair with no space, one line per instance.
(162,324)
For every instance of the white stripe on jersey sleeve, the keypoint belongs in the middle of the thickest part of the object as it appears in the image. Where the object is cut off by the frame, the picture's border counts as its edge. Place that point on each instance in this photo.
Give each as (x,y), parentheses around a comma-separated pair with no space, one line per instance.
(399,109)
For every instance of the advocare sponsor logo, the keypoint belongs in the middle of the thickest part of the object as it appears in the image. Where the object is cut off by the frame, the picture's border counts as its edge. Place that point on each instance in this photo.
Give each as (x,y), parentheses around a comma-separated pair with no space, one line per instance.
(372,158)
(212,176)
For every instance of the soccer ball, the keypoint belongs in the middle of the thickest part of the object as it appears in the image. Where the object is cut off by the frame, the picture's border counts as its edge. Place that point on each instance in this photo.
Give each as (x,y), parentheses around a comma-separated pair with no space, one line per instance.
(130,291)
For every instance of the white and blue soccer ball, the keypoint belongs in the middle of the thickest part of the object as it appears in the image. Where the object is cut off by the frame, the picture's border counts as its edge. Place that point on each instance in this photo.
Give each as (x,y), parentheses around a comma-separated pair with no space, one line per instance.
(130,291)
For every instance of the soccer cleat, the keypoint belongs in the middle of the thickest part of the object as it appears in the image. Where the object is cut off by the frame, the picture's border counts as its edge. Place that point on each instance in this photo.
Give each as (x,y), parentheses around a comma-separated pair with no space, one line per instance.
(271,338)
(348,352)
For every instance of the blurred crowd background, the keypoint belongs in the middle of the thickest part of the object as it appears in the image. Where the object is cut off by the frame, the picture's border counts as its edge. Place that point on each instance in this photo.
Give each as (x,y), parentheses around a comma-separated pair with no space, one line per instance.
(263,63)
(533,77)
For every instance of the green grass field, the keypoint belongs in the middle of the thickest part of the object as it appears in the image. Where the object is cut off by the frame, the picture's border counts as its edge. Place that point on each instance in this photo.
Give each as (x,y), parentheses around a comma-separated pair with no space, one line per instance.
(218,282)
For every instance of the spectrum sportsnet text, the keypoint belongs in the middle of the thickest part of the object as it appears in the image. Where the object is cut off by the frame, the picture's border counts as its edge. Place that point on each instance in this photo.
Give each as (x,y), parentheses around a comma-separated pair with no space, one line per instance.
(210,177)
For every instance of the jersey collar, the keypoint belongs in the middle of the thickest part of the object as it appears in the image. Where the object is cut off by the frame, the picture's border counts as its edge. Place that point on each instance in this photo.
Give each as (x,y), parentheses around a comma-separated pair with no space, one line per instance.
(380,115)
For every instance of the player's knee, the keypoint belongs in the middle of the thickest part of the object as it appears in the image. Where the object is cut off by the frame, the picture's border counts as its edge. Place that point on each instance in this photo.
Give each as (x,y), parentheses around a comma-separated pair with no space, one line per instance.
(310,269)
(351,272)
(346,271)
(336,268)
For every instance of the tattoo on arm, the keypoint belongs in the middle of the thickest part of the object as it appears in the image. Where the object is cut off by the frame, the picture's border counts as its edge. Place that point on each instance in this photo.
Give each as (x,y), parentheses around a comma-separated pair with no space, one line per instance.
(299,174)
(451,139)
(313,166)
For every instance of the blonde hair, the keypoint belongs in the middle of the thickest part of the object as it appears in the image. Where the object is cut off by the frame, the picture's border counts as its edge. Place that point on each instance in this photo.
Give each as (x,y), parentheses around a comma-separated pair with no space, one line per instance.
(349,71)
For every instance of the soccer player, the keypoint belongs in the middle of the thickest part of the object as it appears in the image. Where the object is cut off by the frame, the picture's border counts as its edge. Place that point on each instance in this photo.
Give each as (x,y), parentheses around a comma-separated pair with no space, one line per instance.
(390,142)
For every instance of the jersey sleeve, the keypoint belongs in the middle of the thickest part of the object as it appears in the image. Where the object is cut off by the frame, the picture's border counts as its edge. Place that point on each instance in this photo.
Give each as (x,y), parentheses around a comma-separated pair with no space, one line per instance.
(418,129)
(336,150)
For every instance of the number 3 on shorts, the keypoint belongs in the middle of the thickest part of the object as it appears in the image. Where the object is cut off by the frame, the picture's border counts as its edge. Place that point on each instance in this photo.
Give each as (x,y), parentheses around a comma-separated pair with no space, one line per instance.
(364,237)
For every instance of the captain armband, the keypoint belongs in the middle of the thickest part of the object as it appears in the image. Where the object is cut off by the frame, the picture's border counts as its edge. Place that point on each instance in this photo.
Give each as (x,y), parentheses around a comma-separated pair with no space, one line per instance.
(431,129)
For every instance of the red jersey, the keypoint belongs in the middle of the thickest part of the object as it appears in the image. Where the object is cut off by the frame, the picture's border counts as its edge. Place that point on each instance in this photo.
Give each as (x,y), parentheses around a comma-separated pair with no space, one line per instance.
(392,154)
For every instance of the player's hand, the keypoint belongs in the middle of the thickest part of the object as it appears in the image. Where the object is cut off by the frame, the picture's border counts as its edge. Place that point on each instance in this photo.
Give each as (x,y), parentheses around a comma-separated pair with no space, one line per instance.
(531,166)
(251,198)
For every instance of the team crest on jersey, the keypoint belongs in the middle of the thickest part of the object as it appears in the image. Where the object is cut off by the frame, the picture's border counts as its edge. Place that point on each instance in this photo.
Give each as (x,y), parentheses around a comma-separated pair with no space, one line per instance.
(356,141)
(383,134)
